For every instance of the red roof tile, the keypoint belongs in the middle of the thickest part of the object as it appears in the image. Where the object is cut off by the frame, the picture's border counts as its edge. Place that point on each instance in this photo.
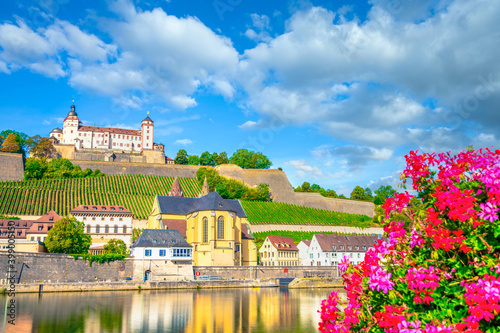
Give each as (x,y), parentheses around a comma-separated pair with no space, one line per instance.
(283,243)
(109,130)
(99,209)
(172,224)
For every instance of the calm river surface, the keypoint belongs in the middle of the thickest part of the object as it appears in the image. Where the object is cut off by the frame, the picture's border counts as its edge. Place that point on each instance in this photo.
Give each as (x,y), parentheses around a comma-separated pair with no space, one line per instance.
(204,311)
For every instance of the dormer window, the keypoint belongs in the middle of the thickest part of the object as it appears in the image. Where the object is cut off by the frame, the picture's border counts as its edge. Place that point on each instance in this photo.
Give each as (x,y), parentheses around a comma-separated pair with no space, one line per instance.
(112,208)
(103,208)
(121,208)
(85,208)
(40,228)
(94,208)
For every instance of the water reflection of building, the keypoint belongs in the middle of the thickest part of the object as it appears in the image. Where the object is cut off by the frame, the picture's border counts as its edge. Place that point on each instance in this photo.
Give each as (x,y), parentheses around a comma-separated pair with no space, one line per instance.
(151,313)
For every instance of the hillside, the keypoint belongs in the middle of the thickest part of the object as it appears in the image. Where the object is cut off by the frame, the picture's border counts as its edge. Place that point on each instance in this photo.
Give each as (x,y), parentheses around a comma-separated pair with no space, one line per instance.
(136,192)
(281,213)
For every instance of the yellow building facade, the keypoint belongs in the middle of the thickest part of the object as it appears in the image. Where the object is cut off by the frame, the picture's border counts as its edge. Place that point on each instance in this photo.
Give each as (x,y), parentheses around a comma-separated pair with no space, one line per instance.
(217,229)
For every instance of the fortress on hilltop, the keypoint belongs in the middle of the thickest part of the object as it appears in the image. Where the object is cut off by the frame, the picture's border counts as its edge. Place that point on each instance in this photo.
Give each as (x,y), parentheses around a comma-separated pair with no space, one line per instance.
(78,142)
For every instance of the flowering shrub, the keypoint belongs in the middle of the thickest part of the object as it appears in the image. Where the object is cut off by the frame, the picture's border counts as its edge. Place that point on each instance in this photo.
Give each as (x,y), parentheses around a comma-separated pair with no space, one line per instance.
(439,269)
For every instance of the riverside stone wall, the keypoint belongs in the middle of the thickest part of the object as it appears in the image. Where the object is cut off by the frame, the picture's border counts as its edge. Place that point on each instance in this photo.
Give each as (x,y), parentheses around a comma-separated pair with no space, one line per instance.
(56,268)
(266,272)
(11,166)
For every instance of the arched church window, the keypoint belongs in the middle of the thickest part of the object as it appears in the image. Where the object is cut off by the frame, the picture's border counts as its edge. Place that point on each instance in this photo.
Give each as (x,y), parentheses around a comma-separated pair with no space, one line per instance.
(220,227)
(124,229)
(116,229)
(88,229)
(97,229)
(205,230)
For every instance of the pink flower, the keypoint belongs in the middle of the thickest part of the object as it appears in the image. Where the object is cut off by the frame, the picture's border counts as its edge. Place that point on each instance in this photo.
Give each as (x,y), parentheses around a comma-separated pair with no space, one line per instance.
(380,280)
(488,212)
(344,263)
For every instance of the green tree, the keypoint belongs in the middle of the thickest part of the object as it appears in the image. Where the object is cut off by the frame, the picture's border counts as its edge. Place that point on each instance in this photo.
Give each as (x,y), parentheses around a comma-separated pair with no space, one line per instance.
(34,168)
(193,160)
(207,159)
(44,148)
(20,138)
(358,193)
(368,195)
(182,157)
(32,141)
(67,236)
(222,159)
(116,246)
(10,145)
(383,193)
(248,159)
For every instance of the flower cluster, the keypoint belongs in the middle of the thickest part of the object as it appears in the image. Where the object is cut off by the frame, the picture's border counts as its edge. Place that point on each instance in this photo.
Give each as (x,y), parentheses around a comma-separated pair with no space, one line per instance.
(422,281)
(439,268)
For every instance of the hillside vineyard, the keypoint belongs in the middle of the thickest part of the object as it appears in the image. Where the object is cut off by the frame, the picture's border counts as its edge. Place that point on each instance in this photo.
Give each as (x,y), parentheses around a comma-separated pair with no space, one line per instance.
(36,197)
(137,193)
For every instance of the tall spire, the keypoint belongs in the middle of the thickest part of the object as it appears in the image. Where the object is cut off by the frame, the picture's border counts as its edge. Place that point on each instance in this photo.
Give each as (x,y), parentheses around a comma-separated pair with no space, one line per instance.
(205,190)
(176,190)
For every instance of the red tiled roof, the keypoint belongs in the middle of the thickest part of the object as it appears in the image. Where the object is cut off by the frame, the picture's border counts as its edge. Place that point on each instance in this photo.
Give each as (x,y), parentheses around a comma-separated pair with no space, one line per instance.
(307,242)
(51,216)
(169,159)
(21,226)
(173,224)
(99,209)
(283,243)
(109,130)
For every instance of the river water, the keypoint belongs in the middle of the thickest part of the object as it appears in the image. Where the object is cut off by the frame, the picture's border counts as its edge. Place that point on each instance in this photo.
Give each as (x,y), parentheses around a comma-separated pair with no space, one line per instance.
(203,311)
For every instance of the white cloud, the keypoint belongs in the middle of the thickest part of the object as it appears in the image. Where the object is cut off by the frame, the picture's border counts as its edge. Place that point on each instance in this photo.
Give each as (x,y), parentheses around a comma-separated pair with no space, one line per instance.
(41,50)
(183,142)
(369,82)
(305,170)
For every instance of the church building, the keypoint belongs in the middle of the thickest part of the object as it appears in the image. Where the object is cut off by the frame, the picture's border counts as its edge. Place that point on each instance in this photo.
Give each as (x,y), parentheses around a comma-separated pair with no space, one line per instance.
(217,229)
(94,137)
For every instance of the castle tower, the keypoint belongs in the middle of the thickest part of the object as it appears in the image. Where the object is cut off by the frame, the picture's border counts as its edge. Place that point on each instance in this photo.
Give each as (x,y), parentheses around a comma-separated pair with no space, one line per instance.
(204,190)
(147,133)
(70,127)
(176,190)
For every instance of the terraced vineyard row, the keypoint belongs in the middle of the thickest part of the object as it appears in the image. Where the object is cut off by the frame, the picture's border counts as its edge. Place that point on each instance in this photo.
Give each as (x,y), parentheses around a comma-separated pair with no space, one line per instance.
(136,192)
(259,212)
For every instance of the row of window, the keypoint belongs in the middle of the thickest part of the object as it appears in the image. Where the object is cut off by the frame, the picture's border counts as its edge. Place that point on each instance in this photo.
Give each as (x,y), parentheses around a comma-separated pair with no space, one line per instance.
(102,208)
(177,253)
(220,228)
(102,218)
(106,229)
(116,136)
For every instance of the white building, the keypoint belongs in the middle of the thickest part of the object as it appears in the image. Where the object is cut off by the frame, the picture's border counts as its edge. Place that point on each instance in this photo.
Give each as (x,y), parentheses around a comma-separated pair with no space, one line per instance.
(303,247)
(103,223)
(162,254)
(93,137)
(329,249)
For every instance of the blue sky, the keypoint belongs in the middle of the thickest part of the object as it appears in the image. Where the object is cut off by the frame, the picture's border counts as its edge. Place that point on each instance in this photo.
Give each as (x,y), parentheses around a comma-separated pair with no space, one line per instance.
(335,93)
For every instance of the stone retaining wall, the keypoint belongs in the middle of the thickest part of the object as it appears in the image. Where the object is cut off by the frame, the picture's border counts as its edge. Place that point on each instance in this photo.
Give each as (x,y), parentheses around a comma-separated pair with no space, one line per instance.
(316,228)
(11,166)
(261,272)
(50,267)
(107,286)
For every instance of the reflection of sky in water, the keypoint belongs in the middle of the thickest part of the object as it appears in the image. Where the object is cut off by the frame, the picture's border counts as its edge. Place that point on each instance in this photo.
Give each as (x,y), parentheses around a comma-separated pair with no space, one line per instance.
(190,311)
